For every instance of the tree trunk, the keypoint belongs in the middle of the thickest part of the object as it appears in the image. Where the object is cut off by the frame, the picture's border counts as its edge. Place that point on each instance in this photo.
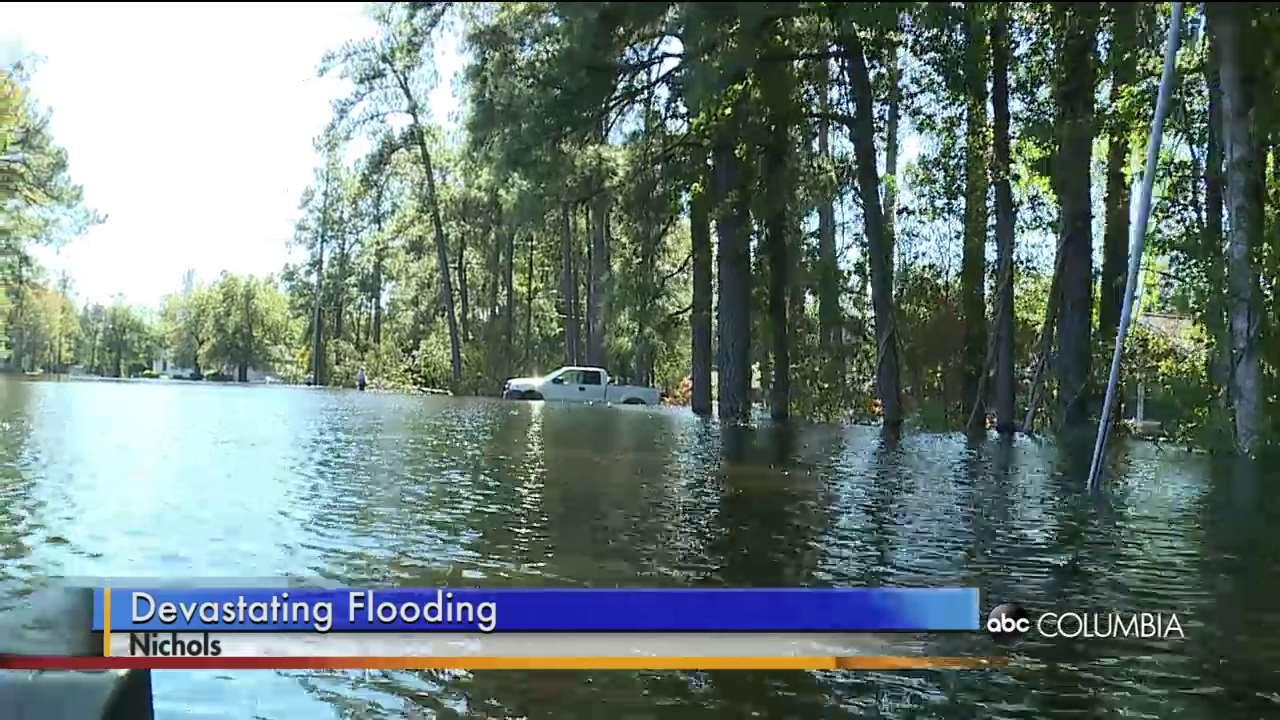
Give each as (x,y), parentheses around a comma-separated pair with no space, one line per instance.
(830,335)
(1244,207)
(1219,362)
(761,326)
(599,280)
(646,281)
(575,257)
(361,325)
(776,246)
(878,240)
(776,89)
(1274,255)
(509,294)
(733,315)
(246,338)
(317,320)
(379,250)
(973,265)
(495,257)
(57,338)
(462,285)
(1115,234)
(377,296)
(339,299)
(19,343)
(700,318)
(1004,390)
(648,295)
(528,305)
(589,289)
(442,255)
(93,351)
(890,180)
(375,328)
(1075,143)
(1044,346)
(566,287)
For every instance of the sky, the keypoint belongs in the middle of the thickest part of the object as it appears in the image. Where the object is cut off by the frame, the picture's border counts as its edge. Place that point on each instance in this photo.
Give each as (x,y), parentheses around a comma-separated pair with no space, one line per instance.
(190,128)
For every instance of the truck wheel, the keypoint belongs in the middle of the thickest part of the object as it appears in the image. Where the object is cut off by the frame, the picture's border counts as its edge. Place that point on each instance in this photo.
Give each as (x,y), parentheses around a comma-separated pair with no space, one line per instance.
(532,395)
(633,401)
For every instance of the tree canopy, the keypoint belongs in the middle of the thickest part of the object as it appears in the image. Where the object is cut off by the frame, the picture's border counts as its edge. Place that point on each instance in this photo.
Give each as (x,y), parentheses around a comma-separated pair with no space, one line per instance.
(891,212)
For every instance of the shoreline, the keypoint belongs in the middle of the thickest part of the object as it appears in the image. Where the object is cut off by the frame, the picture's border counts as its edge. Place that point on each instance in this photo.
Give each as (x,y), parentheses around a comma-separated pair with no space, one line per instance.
(415,392)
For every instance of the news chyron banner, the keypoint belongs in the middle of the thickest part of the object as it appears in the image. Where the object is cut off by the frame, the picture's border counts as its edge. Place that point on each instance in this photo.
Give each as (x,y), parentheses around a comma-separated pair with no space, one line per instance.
(465,628)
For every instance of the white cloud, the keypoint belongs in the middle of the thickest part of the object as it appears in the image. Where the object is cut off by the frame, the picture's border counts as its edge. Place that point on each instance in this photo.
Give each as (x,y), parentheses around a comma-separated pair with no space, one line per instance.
(189,126)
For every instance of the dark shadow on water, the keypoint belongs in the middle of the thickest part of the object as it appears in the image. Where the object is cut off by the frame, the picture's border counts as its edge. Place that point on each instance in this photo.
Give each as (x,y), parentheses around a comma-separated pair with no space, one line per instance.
(766,520)
(1240,567)
(769,523)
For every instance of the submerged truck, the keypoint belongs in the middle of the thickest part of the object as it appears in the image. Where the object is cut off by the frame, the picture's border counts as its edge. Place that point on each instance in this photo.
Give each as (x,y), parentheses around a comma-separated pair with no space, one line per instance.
(579,384)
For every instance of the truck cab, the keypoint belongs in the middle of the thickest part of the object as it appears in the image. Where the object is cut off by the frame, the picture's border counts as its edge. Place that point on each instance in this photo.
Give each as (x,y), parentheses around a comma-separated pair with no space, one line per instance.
(578,384)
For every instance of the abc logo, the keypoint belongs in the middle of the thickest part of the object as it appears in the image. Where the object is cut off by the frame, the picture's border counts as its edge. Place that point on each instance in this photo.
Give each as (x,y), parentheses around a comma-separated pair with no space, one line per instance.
(1008,622)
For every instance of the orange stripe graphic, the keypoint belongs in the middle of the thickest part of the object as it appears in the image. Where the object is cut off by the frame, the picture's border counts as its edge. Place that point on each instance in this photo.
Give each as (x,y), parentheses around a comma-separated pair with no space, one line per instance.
(106,622)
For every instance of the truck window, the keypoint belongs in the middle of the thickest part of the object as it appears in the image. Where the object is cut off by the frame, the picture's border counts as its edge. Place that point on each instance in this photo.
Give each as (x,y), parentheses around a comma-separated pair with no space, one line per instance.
(571,377)
(590,377)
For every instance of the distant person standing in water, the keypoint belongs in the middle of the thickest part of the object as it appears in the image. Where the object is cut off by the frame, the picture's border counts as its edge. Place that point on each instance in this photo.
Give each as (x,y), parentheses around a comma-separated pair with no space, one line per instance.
(361,380)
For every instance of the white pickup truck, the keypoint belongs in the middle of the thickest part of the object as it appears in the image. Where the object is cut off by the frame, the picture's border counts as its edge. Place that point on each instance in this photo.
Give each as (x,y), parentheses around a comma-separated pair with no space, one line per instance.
(579,384)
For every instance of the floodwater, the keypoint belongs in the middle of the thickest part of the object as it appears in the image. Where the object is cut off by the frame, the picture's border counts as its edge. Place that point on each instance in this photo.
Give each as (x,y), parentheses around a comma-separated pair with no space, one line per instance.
(155,479)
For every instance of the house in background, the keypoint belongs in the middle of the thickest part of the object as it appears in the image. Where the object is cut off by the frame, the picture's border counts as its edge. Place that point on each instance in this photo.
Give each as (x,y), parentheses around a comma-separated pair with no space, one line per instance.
(254,374)
(164,365)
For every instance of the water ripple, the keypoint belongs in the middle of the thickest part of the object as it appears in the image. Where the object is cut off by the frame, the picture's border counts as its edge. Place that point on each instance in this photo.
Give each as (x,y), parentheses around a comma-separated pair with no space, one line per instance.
(195,480)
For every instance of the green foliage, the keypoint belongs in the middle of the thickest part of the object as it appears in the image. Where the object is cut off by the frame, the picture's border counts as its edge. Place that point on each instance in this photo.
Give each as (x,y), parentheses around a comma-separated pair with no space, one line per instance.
(38,201)
(39,204)
(41,332)
(1178,391)
(608,110)
(187,324)
(248,323)
(117,340)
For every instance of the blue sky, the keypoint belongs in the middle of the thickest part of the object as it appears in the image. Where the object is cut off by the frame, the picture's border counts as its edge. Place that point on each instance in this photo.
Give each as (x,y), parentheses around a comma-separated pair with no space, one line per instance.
(189,127)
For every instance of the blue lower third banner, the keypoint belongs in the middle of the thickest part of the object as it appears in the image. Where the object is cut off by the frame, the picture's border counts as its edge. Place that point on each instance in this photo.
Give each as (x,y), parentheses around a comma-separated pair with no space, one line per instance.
(537,610)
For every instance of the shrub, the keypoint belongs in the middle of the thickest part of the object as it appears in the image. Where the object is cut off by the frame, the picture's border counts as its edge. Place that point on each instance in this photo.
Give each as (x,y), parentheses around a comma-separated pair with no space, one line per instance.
(1179,393)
